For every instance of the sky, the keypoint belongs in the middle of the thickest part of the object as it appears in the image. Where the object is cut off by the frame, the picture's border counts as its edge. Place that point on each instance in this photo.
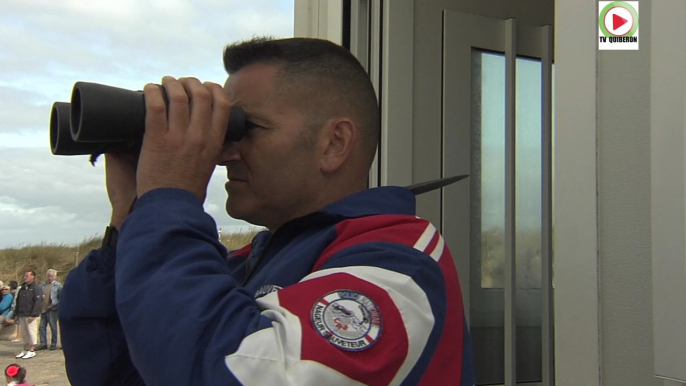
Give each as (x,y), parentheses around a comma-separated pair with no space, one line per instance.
(46,46)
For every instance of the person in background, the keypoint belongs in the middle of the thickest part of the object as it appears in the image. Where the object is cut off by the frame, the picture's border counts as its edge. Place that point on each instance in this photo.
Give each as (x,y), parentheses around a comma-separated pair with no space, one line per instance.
(52,290)
(14,287)
(15,375)
(5,304)
(27,312)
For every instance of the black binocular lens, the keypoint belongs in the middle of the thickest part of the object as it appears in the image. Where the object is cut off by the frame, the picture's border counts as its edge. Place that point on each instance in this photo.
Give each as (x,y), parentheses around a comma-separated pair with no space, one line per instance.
(103,119)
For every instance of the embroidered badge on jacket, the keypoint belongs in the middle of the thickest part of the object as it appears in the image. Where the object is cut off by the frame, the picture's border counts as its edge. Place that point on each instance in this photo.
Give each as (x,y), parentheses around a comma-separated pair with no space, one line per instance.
(347,319)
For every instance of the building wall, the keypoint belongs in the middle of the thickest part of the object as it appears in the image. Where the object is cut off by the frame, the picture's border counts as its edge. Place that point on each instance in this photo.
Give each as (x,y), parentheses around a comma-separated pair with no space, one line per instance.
(603,103)
(577,348)
(668,172)
(624,212)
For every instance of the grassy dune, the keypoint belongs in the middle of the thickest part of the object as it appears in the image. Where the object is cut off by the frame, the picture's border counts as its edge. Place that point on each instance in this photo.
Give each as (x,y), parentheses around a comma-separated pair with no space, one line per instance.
(63,257)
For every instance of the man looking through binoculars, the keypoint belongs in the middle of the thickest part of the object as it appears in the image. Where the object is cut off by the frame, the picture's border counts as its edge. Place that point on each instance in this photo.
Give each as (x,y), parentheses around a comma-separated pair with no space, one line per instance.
(346,287)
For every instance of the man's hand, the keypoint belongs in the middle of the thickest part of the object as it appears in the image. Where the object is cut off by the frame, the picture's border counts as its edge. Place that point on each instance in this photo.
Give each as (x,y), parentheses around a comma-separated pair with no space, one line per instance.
(181,147)
(31,319)
(120,171)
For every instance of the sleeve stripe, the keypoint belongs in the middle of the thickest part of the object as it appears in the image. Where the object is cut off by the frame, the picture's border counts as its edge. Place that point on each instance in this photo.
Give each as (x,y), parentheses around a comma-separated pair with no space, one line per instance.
(259,361)
(438,250)
(405,230)
(276,351)
(269,349)
(431,242)
(426,237)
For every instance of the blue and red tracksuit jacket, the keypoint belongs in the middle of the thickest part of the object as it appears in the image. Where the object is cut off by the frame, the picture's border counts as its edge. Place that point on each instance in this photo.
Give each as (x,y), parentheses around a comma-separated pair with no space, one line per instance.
(362,292)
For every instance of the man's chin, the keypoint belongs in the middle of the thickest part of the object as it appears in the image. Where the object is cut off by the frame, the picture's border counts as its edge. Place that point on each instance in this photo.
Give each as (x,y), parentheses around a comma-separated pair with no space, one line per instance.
(230,209)
(236,210)
(241,211)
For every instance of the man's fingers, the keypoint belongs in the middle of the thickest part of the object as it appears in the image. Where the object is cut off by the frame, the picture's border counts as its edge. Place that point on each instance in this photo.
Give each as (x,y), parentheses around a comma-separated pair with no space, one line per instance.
(155,111)
(179,112)
(120,172)
(221,110)
(185,154)
(201,108)
(130,159)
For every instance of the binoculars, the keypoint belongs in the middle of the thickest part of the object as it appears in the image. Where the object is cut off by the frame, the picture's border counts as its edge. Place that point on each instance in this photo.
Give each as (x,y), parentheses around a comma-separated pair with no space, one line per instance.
(102,119)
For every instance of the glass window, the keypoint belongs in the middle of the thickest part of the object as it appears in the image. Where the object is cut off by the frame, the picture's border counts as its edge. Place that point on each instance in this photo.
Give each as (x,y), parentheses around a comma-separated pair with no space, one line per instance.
(488,216)
(488,152)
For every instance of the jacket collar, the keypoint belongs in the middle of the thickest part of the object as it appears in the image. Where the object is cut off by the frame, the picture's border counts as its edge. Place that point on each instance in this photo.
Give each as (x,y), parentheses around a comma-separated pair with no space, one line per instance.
(369,202)
(375,201)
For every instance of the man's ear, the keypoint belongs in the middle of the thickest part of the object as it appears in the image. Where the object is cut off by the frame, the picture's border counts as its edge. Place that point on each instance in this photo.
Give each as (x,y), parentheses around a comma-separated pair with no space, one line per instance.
(339,138)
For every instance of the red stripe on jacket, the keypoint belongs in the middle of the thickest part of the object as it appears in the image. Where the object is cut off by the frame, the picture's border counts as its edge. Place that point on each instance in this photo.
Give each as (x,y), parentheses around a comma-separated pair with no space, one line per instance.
(400,229)
(450,350)
(406,230)
(243,252)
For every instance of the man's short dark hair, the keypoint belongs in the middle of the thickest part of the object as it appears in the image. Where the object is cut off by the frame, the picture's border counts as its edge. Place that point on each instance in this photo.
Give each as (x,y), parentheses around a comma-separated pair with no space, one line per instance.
(334,80)
(33,273)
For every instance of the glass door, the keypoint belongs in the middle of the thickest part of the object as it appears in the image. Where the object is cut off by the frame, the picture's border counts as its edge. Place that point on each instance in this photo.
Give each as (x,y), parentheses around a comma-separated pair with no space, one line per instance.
(496,219)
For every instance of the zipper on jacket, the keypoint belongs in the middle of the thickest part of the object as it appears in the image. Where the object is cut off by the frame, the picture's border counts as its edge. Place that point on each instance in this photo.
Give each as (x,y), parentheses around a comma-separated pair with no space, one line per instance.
(250,272)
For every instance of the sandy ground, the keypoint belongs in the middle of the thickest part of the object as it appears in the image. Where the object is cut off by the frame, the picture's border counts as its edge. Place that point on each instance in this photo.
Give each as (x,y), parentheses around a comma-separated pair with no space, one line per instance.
(46,368)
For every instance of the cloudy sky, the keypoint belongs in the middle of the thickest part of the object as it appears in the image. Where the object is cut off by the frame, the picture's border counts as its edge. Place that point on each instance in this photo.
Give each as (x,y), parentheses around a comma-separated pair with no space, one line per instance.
(47,45)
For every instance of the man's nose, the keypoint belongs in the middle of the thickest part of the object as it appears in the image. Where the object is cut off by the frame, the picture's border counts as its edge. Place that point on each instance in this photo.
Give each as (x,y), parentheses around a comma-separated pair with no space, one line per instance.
(230,152)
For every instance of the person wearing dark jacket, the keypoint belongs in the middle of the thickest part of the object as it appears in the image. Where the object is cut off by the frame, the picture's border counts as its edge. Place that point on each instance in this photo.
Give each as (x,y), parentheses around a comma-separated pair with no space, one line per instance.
(28,310)
(347,287)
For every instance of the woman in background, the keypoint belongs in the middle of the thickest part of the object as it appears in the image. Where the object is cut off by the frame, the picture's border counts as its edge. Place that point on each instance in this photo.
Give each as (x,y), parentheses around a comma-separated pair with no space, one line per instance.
(14,287)
(5,303)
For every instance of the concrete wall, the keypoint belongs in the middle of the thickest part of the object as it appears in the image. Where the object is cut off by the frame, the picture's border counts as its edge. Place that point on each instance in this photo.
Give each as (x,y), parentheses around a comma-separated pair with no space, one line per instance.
(577,349)
(604,305)
(668,177)
(624,212)
(318,18)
